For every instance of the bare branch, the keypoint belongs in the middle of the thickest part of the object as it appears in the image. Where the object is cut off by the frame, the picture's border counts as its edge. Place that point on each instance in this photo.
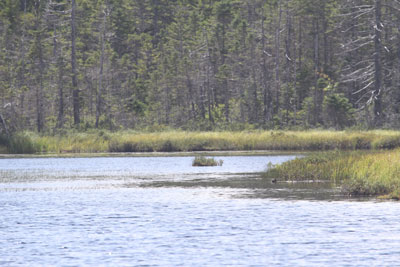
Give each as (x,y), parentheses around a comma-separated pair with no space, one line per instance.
(365,87)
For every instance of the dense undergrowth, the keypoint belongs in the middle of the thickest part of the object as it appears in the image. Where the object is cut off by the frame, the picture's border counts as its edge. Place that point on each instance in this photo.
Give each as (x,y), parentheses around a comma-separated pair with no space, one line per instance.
(359,173)
(175,141)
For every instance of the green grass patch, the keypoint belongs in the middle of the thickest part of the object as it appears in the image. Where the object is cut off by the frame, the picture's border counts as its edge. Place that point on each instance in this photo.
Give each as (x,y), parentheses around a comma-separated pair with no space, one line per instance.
(201,161)
(359,173)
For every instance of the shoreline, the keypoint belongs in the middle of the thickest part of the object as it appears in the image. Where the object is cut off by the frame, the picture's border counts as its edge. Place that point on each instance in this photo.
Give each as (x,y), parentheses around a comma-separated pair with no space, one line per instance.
(215,153)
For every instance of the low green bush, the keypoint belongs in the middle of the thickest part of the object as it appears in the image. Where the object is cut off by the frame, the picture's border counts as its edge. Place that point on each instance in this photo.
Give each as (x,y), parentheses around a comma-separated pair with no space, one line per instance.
(21,144)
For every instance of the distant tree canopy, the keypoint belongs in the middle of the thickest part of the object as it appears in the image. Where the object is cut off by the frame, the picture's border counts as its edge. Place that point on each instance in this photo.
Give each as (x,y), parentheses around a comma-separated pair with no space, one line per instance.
(199,64)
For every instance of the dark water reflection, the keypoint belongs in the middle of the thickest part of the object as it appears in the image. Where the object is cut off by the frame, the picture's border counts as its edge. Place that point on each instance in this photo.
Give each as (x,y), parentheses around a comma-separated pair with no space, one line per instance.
(163,212)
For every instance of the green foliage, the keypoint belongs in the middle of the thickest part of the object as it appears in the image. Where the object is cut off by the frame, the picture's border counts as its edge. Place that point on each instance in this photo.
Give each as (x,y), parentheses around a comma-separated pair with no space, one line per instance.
(21,144)
(307,111)
(339,112)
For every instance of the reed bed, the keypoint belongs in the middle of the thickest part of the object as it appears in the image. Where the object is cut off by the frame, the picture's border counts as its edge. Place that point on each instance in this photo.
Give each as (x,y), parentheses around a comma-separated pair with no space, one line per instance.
(176,141)
(359,173)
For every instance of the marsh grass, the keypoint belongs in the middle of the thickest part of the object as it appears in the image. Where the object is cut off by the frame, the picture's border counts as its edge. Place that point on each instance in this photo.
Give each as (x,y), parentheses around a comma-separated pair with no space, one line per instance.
(201,161)
(181,141)
(359,173)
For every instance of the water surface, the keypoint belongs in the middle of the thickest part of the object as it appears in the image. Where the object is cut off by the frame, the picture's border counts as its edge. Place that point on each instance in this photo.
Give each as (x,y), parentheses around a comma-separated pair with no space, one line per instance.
(163,212)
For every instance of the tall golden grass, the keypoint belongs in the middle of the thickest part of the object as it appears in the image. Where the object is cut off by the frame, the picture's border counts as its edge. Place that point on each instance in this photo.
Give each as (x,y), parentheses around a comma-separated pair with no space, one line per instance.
(131,141)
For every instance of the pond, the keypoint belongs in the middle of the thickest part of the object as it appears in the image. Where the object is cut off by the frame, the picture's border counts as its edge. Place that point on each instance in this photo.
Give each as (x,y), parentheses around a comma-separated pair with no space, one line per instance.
(161,211)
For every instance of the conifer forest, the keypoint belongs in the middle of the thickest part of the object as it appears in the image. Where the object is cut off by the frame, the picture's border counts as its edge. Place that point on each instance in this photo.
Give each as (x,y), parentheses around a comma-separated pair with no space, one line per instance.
(199,64)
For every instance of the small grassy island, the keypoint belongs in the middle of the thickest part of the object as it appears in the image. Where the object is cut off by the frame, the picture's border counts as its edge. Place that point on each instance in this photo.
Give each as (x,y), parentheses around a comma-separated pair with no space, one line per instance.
(201,161)
(363,163)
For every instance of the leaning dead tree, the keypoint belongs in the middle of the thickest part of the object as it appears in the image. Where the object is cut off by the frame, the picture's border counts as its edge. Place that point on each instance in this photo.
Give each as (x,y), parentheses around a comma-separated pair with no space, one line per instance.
(3,123)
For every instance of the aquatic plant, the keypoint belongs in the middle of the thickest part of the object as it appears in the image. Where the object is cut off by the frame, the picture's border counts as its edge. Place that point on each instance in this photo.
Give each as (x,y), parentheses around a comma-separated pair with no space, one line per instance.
(201,161)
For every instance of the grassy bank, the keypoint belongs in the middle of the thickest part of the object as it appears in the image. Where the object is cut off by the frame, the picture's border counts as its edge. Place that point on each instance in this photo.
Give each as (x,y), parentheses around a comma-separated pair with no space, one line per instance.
(176,141)
(359,173)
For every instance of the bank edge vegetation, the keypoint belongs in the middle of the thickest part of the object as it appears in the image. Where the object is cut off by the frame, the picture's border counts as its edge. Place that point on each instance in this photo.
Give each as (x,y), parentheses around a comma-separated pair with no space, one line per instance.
(363,163)
(359,173)
(182,141)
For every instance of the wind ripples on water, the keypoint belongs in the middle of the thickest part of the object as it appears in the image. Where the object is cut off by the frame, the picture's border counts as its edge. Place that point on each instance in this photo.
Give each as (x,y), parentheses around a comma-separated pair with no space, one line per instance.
(184,220)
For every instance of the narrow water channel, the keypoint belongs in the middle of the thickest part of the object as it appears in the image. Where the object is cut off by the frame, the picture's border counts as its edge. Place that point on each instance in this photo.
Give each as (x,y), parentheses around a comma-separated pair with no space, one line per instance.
(161,211)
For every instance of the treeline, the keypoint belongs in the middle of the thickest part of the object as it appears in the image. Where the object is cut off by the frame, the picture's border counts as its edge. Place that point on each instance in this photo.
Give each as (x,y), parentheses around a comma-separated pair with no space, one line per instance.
(199,64)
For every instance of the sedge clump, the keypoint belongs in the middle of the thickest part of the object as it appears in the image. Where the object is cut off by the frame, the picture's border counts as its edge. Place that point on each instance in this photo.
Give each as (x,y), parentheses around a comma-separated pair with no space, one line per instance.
(201,161)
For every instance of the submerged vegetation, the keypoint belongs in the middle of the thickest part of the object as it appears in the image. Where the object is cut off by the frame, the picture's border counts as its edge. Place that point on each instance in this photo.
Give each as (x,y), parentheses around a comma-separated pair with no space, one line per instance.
(201,161)
(359,173)
(177,141)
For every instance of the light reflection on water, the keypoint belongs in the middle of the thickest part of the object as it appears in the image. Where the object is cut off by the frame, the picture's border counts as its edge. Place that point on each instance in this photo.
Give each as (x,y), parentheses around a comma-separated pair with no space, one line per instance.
(109,211)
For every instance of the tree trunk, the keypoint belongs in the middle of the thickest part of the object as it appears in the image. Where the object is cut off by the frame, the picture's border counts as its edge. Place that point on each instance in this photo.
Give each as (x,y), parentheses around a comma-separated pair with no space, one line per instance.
(209,90)
(267,98)
(316,108)
(75,89)
(60,119)
(100,89)
(254,109)
(289,76)
(3,122)
(39,87)
(277,60)
(378,65)
(225,89)
(60,83)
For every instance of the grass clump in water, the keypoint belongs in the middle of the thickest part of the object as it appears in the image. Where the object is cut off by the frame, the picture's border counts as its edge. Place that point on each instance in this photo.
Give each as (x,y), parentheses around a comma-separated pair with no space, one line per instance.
(201,161)
(359,173)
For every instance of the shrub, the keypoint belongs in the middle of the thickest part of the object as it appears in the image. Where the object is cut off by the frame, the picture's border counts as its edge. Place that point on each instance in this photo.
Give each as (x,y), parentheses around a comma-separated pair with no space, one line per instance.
(22,144)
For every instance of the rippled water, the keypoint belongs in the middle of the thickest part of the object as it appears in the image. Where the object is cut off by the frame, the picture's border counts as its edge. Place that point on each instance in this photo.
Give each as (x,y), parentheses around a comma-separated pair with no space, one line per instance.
(163,212)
